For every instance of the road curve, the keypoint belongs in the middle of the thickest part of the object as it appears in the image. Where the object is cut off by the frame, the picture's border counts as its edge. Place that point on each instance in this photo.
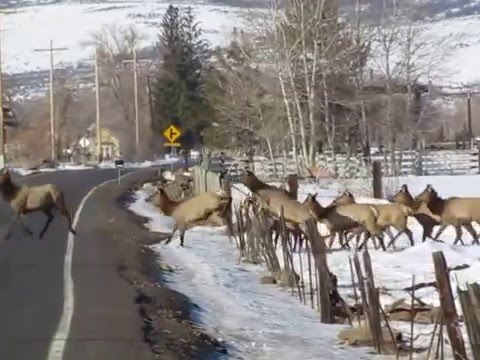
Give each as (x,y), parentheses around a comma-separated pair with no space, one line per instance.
(31,270)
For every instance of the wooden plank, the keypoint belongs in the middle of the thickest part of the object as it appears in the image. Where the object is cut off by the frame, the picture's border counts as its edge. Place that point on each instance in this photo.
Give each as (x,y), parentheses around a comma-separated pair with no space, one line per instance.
(374,303)
(470,321)
(450,317)
(319,253)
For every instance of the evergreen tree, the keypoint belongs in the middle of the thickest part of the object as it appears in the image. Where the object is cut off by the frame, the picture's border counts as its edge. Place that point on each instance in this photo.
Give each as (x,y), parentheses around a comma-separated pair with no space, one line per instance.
(179,89)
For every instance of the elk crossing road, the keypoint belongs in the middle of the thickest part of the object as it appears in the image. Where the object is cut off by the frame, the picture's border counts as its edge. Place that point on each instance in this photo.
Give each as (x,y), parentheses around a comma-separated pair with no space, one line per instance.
(32,281)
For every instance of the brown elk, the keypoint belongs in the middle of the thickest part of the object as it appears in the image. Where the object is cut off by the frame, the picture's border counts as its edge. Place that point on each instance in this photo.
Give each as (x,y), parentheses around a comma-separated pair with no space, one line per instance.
(422,213)
(273,199)
(25,199)
(389,215)
(455,211)
(339,218)
(190,212)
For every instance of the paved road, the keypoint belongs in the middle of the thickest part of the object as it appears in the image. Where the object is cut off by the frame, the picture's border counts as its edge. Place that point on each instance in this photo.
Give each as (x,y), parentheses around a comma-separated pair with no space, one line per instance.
(31,271)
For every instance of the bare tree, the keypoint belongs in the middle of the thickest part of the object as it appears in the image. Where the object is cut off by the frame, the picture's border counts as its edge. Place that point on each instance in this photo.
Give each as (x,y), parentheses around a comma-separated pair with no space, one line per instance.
(114,45)
(244,99)
(405,61)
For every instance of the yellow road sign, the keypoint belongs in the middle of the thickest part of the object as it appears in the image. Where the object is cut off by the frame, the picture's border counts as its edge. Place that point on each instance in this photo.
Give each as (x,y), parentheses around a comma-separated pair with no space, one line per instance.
(172,133)
(172,144)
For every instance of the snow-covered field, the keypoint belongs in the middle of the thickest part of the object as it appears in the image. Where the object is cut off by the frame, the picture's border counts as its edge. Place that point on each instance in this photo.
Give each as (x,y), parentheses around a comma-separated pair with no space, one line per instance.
(69,24)
(264,321)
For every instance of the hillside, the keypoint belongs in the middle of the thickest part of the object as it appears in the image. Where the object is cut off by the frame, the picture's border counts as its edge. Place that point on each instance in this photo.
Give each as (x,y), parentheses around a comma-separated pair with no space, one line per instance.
(70,23)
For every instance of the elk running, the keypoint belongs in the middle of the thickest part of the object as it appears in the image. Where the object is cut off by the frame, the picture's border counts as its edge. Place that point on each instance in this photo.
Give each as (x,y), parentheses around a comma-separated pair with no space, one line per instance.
(454,211)
(422,213)
(25,199)
(189,212)
(339,218)
(273,200)
(389,215)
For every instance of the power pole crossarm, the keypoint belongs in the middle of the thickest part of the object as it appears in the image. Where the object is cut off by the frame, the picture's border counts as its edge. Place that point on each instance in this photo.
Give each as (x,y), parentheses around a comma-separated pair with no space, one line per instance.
(51,49)
(135,62)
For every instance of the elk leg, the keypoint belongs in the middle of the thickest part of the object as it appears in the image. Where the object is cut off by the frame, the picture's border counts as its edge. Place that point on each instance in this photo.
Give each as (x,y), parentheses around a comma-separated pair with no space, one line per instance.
(171,235)
(458,231)
(440,231)
(380,239)
(47,224)
(410,236)
(182,236)
(69,219)
(366,236)
(332,239)
(427,231)
(357,239)
(275,239)
(472,232)
(341,237)
(295,242)
(14,221)
(392,238)
(63,210)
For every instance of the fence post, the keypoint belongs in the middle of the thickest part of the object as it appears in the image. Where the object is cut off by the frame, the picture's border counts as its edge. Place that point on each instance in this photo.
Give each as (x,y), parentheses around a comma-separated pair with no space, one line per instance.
(320,257)
(447,303)
(377,179)
(478,157)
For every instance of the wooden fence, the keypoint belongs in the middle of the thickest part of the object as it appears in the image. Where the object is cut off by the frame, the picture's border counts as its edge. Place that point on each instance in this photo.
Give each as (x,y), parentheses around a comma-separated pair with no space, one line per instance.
(255,244)
(204,180)
(428,162)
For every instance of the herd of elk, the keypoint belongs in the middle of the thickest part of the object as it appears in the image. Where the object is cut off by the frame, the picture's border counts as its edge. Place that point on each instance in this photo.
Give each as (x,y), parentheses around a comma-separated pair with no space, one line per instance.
(343,217)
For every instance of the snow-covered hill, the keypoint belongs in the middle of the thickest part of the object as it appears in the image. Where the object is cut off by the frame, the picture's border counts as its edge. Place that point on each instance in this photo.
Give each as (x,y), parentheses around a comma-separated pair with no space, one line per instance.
(69,23)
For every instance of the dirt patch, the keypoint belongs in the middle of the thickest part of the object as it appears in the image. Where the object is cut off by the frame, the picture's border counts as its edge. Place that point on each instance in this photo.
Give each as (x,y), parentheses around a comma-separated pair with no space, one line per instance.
(167,322)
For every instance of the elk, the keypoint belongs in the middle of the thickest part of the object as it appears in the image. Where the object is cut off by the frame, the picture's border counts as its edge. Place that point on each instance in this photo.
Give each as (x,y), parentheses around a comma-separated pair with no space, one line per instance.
(273,199)
(189,212)
(389,215)
(25,199)
(422,213)
(339,218)
(455,211)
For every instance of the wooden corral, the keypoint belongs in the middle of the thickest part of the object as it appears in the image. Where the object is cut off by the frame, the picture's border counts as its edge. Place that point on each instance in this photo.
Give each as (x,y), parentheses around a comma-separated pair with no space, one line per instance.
(410,162)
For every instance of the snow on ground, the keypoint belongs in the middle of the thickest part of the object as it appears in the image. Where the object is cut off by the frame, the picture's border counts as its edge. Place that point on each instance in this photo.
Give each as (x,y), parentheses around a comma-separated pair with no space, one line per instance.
(260,321)
(33,26)
(256,321)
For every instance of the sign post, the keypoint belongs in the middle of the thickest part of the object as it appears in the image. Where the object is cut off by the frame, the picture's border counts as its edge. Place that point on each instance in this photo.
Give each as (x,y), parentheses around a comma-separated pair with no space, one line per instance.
(172,133)
(119,164)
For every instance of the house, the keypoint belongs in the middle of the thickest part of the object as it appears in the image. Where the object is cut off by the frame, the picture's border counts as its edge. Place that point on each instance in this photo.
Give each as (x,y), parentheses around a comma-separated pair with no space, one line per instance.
(87,144)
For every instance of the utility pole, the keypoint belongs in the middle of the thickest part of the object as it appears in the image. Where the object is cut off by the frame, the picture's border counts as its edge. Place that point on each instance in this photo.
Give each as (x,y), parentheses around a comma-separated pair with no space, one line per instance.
(2,123)
(469,119)
(97,100)
(51,49)
(2,118)
(135,62)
